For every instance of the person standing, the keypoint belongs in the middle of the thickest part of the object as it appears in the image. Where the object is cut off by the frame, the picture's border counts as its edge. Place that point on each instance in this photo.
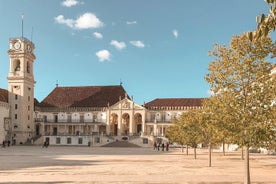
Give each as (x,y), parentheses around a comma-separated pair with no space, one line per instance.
(154,145)
(167,146)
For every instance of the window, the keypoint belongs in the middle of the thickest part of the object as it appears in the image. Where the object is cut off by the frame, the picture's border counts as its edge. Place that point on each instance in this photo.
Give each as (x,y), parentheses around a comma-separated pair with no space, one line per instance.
(15,106)
(29,98)
(56,118)
(69,140)
(28,107)
(16,97)
(28,117)
(145,141)
(80,141)
(58,140)
(28,67)
(15,116)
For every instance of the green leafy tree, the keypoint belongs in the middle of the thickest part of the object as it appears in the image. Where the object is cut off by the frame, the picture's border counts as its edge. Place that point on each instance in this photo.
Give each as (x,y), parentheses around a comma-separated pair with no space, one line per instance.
(191,124)
(241,73)
(175,133)
(213,123)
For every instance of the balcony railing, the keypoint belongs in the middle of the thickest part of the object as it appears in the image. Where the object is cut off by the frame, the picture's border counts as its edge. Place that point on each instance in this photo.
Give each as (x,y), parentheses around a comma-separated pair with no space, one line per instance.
(162,120)
(71,121)
(71,134)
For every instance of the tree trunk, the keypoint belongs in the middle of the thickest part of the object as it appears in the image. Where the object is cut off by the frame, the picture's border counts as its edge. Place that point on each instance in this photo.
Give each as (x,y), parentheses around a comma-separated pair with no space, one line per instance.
(242,156)
(223,148)
(246,164)
(210,154)
(195,152)
(182,146)
(187,150)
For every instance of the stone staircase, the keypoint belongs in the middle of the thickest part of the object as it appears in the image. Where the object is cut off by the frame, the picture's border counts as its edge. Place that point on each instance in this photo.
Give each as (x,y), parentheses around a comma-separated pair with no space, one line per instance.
(120,144)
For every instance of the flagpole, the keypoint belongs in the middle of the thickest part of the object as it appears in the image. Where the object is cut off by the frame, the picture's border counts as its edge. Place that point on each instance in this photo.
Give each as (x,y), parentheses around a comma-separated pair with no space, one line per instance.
(22,25)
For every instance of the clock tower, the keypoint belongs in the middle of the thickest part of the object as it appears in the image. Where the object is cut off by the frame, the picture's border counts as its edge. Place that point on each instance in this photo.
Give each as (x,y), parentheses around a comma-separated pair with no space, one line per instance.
(21,89)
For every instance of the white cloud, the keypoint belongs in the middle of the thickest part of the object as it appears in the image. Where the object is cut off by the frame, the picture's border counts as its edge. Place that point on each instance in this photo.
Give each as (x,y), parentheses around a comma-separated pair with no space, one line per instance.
(85,21)
(138,43)
(103,55)
(61,20)
(118,45)
(175,33)
(88,20)
(131,22)
(69,3)
(98,35)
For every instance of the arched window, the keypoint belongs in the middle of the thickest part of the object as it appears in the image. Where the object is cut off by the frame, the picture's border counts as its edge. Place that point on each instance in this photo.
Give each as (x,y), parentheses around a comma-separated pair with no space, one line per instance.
(17,65)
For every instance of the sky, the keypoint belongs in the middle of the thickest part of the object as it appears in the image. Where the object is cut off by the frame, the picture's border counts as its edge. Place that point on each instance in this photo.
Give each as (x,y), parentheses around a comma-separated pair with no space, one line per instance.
(155,48)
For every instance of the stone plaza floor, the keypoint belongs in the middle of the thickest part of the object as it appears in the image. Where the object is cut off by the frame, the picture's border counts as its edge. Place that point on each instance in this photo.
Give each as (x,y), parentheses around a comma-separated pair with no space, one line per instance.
(101,165)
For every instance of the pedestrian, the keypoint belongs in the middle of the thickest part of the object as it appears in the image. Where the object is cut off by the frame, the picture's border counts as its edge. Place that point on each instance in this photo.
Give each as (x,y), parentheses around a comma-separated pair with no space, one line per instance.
(4,144)
(154,145)
(167,146)
(47,144)
(163,146)
(158,146)
(44,144)
(9,142)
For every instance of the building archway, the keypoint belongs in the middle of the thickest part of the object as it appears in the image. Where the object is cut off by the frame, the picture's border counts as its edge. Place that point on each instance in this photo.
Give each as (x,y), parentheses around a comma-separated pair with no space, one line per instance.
(137,123)
(125,124)
(114,124)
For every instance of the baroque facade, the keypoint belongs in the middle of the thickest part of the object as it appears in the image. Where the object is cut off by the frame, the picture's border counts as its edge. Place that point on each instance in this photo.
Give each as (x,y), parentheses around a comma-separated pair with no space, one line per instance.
(93,115)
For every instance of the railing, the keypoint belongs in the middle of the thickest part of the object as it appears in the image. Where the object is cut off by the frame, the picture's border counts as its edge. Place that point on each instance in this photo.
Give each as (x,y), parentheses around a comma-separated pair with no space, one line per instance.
(162,120)
(71,134)
(74,121)
(39,120)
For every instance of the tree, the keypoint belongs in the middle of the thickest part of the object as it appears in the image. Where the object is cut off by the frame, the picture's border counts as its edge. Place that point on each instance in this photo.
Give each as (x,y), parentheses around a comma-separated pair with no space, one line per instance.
(266,23)
(214,122)
(191,123)
(242,73)
(186,130)
(175,133)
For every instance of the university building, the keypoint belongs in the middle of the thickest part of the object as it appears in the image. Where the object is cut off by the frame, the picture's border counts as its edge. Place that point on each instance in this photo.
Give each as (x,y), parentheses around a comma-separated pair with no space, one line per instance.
(78,115)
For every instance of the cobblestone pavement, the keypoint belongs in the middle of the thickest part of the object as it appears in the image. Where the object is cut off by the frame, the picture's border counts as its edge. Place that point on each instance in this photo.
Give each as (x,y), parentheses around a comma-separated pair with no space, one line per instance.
(102,165)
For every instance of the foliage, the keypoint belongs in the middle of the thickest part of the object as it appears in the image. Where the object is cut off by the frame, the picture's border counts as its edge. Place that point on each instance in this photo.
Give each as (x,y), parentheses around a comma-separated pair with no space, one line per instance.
(241,73)
(266,23)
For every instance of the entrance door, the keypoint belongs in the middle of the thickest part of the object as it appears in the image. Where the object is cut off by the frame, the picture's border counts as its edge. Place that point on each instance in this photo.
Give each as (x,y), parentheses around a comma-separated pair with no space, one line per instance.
(37,129)
(115,129)
(139,128)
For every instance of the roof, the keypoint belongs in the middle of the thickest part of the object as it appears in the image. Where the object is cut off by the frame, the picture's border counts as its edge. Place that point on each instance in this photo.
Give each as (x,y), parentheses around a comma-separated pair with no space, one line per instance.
(86,96)
(4,95)
(174,102)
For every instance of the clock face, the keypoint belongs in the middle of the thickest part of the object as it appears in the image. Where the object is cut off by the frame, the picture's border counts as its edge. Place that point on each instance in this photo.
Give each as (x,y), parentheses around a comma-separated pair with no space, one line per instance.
(17,45)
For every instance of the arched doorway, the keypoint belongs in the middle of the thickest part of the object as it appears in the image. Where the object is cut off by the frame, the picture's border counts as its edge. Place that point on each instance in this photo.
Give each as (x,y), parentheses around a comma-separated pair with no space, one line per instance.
(114,124)
(138,123)
(125,124)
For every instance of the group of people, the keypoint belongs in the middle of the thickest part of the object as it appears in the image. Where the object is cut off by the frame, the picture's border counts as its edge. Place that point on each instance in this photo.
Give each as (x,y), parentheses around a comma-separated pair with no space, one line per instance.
(45,144)
(156,146)
(6,143)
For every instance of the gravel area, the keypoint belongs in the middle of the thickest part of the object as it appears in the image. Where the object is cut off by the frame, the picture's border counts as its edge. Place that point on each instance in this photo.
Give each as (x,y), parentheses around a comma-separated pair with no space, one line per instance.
(101,165)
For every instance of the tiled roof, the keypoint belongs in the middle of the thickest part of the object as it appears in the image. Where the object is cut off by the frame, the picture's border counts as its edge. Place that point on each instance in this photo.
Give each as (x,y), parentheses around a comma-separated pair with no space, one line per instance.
(174,102)
(86,96)
(4,95)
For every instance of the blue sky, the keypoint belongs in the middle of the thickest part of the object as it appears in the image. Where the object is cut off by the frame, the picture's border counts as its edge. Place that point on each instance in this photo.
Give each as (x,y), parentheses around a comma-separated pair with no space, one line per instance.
(157,48)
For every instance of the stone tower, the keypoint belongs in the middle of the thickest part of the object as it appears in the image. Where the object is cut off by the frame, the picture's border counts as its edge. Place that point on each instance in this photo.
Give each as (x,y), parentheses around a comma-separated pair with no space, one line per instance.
(21,89)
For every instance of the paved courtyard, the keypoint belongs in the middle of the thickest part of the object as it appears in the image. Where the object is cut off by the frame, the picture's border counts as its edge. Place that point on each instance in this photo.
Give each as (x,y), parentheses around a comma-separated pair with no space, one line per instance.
(33,164)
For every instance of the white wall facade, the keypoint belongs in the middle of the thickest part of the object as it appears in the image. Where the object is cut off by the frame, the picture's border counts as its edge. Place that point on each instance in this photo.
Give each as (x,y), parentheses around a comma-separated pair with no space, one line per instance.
(4,113)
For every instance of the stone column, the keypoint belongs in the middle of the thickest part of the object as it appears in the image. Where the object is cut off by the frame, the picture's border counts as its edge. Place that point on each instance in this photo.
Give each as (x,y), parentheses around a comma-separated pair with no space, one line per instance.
(119,130)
